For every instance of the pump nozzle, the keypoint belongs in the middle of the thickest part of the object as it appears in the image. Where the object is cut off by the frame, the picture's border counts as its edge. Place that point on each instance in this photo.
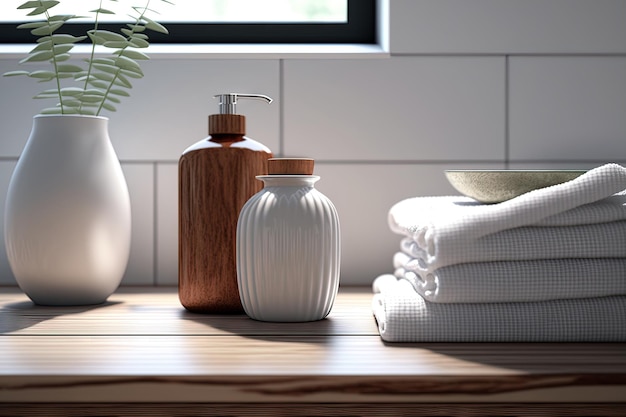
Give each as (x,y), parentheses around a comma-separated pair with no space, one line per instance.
(228,102)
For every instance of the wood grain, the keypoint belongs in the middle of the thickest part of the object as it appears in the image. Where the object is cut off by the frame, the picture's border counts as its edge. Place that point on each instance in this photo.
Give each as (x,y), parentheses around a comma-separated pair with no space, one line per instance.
(214,184)
(290,166)
(315,410)
(227,124)
(142,348)
(157,311)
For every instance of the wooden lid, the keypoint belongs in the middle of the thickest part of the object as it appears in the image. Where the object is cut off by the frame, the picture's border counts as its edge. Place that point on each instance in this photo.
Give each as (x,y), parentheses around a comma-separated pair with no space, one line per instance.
(227,124)
(290,166)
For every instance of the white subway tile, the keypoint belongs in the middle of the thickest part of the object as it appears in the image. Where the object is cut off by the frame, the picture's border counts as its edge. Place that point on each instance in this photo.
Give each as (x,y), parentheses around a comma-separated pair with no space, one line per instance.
(508,26)
(140,180)
(363,195)
(18,108)
(565,108)
(167,224)
(403,108)
(6,275)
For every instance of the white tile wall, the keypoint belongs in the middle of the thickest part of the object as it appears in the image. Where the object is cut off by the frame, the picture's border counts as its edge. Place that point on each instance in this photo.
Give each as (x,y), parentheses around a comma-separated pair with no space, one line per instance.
(6,276)
(167,224)
(564,108)
(469,84)
(403,108)
(140,177)
(508,26)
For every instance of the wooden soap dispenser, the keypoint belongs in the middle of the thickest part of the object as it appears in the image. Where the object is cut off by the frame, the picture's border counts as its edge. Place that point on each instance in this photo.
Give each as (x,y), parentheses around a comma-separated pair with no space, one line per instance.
(216,178)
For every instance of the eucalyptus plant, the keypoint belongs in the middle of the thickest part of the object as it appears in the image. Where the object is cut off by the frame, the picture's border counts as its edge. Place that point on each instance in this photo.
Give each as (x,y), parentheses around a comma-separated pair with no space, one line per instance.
(99,81)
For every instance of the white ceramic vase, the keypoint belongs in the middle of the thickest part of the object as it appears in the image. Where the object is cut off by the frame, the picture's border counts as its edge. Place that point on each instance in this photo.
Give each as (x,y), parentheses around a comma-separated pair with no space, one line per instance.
(288,251)
(67,223)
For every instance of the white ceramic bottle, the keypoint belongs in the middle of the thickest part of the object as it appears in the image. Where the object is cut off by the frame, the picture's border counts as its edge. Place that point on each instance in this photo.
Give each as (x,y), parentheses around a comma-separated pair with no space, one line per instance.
(67,223)
(288,246)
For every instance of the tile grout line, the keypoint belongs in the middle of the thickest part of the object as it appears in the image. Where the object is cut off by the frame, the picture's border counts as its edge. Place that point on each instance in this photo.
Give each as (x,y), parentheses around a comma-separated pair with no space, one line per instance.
(390,161)
(281,108)
(155,224)
(507,130)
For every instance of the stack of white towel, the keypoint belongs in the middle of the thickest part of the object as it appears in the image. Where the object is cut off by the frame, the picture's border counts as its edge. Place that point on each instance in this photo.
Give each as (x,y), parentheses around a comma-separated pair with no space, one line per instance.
(549,265)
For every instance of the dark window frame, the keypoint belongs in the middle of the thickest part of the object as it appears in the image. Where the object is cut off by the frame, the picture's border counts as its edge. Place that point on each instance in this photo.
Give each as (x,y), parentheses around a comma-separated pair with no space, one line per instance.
(360,29)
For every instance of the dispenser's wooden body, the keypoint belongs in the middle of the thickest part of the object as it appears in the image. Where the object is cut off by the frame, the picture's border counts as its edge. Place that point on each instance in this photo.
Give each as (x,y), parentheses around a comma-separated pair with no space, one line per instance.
(214,184)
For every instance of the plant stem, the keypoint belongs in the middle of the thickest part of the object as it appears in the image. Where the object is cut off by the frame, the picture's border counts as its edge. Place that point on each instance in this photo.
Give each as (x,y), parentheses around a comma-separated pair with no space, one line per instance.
(129,37)
(55,63)
(91,56)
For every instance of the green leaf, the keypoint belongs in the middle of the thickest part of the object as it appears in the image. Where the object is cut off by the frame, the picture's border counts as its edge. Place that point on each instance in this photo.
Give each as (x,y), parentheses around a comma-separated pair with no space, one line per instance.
(99,84)
(62,39)
(69,68)
(138,43)
(113,99)
(94,92)
(47,94)
(43,75)
(42,46)
(62,49)
(122,81)
(36,4)
(136,27)
(132,73)
(107,35)
(42,9)
(131,53)
(129,64)
(48,47)
(47,30)
(117,44)
(106,61)
(157,27)
(142,36)
(71,91)
(63,17)
(54,93)
(52,110)
(71,102)
(110,69)
(104,76)
(62,57)
(15,73)
(118,92)
(109,107)
(90,98)
(102,11)
(33,25)
(38,57)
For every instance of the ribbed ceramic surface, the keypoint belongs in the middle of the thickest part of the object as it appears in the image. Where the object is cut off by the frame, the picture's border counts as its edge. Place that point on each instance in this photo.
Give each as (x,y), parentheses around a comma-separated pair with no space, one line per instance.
(288,251)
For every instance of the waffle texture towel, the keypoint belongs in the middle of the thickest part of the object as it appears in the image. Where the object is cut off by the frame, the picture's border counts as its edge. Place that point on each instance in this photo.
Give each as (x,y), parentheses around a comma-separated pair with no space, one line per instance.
(515,281)
(404,316)
(582,218)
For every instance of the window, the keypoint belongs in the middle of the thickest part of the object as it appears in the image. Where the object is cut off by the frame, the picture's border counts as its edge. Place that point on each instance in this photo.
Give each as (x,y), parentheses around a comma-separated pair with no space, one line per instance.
(236,21)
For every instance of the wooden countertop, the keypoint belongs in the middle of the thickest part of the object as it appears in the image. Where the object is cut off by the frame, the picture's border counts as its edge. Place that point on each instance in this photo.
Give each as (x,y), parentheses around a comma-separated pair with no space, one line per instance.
(142,351)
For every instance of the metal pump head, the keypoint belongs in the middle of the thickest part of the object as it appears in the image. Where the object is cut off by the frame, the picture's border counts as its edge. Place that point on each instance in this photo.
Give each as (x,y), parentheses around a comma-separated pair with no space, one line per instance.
(228,102)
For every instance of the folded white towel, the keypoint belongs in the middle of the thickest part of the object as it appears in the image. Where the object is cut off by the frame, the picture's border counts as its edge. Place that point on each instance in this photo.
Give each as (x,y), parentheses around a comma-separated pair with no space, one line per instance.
(404,316)
(580,218)
(515,281)
(602,240)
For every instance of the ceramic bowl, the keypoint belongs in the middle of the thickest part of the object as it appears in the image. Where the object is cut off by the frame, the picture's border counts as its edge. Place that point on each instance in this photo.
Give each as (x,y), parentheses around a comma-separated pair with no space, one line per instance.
(495,186)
